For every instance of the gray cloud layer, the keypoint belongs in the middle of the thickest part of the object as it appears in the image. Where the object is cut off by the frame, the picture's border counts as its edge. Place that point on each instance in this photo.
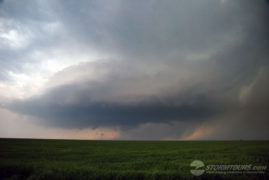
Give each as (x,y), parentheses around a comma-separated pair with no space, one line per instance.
(114,102)
(189,62)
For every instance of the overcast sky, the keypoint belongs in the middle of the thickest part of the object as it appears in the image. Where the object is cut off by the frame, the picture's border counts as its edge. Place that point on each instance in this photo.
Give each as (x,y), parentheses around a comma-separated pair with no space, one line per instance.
(125,69)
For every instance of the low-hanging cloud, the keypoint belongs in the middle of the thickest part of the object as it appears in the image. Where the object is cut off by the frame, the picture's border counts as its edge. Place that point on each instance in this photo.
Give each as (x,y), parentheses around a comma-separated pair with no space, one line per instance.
(112,101)
(195,66)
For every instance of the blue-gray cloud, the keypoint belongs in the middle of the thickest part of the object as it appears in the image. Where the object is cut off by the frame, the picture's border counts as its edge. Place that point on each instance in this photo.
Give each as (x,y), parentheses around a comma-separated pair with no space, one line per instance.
(53,109)
(184,61)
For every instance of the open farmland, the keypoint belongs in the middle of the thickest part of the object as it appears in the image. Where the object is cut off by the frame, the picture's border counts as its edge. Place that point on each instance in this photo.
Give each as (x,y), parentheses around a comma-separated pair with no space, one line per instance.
(81,159)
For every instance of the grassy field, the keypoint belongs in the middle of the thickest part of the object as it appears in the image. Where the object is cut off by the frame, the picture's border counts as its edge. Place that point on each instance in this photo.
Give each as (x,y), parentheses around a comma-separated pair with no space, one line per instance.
(73,159)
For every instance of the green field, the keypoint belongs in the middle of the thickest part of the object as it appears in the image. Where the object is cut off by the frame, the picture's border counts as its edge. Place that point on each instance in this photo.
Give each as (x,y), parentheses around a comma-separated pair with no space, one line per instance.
(79,159)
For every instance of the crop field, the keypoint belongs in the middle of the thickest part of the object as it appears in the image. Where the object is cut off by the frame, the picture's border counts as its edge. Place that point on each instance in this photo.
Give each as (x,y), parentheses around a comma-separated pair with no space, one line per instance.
(83,159)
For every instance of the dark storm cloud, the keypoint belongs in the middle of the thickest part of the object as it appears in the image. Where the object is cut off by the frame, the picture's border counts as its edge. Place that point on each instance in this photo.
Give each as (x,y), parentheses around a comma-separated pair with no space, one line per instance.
(197,62)
(151,28)
(95,104)
(109,114)
(144,31)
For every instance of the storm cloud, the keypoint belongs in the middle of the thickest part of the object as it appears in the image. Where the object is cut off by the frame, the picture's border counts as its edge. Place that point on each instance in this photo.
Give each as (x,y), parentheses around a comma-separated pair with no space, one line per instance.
(117,99)
(193,69)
